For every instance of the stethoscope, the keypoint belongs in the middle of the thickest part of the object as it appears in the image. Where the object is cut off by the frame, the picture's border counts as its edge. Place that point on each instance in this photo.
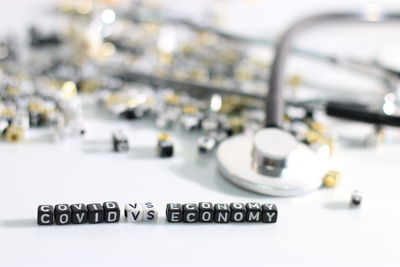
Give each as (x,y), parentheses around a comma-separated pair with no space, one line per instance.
(273,161)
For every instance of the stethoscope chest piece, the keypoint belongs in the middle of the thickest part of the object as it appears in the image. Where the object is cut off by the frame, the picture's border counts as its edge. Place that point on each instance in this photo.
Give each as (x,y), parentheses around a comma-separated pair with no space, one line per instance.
(272,162)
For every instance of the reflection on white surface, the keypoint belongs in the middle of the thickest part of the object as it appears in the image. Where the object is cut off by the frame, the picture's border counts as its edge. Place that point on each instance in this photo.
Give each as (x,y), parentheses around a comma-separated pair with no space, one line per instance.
(373,13)
(167,41)
(108,16)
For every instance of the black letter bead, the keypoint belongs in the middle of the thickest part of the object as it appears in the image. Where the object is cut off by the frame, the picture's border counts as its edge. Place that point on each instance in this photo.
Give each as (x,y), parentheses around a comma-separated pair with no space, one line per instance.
(62,214)
(165,149)
(174,212)
(45,215)
(269,213)
(222,213)
(120,142)
(112,212)
(253,213)
(78,213)
(206,212)
(190,213)
(238,212)
(95,213)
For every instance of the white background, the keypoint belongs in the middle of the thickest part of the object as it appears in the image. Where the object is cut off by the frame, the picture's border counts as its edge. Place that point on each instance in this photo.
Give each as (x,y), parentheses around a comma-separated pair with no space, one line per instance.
(316,230)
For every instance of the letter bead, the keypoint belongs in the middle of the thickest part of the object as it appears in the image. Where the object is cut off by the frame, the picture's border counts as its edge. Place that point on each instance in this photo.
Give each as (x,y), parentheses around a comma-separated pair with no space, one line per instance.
(45,215)
(62,214)
(95,213)
(150,212)
(206,212)
(253,213)
(238,212)
(174,212)
(120,142)
(190,213)
(222,213)
(356,198)
(111,212)
(133,212)
(78,213)
(269,213)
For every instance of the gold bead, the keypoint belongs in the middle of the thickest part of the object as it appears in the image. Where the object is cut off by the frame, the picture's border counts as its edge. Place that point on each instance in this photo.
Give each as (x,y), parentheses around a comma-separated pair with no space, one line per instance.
(243,74)
(69,89)
(173,99)
(332,179)
(312,137)
(208,38)
(237,125)
(84,7)
(295,81)
(13,91)
(189,109)
(162,137)
(8,112)
(318,127)
(36,107)
(114,99)
(89,86)
(166,58)
(15,133)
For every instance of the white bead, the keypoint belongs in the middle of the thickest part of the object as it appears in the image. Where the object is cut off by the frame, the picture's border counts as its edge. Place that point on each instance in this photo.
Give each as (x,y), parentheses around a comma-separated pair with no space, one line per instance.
(134,212)
(150,212)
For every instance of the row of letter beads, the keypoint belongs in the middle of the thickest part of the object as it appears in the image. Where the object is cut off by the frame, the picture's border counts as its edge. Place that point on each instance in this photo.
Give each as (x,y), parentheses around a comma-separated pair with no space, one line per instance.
(221,213)
(63,214)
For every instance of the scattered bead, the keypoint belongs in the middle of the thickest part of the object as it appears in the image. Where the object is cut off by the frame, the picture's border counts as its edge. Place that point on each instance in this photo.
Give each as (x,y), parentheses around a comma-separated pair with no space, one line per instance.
(206,144)
(356,198)
(332,179)
(165,146)
(120,142)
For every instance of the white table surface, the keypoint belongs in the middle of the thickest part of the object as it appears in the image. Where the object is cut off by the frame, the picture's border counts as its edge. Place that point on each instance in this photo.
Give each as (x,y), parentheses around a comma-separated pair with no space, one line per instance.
(315,230)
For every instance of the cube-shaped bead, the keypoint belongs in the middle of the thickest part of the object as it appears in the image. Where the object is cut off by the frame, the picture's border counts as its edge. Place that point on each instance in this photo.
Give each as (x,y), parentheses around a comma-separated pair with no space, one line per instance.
(45,215)
(222,213)
(238,212)
(269,213)
(174,212)
(165,149)
(120,142)
(78,213)
(253,212)
(356,198)
(95,213)
(190,213)
(150,212)
(206,212)
(112,212)
(62,214)
(133,212)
